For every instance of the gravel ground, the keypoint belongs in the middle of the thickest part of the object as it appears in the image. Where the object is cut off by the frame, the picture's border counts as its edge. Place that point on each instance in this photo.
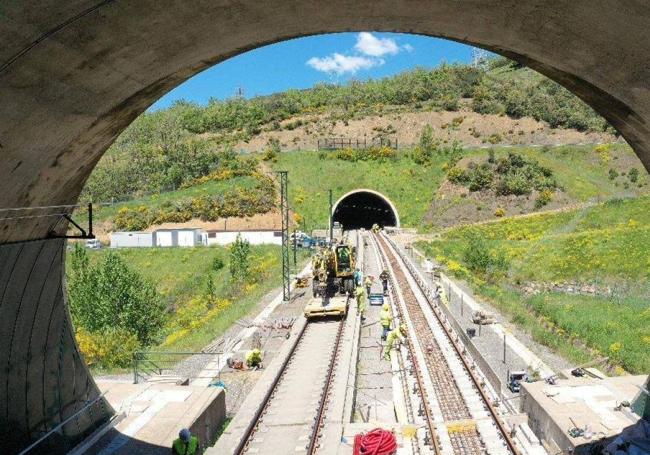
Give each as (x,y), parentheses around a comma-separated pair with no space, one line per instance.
(239,383)
(374,391)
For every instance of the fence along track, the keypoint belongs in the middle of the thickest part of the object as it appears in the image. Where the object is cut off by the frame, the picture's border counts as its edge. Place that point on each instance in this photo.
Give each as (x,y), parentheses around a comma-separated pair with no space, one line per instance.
(426,409)
(291,394)
(463,434)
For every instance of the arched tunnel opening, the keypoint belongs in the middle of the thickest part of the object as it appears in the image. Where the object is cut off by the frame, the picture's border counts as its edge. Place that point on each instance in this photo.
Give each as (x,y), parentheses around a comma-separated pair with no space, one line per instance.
(363,209)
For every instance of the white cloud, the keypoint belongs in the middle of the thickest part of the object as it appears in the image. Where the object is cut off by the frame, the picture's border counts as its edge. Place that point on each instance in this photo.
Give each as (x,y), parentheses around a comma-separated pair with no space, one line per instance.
(408,48)
(369,44)
(341,64)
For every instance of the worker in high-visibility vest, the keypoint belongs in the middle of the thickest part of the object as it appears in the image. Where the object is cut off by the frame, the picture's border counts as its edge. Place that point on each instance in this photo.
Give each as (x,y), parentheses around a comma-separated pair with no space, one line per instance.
(186,444)
(385,319)
(395,335)
(367,282)
(360,294)
(254,358)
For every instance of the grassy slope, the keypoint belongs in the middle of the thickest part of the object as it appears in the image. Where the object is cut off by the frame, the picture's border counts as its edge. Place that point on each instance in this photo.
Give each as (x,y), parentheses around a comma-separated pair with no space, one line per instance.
(180,274)
(607,244)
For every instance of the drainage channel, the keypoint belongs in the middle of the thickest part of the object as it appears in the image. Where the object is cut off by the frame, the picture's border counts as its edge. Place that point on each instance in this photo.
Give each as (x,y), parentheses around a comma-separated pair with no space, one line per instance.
(471,424)
(291,419)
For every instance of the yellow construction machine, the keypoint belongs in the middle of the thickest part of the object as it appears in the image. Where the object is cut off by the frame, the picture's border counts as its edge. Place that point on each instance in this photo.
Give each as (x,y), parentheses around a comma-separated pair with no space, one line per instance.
(333,270)
(333,280)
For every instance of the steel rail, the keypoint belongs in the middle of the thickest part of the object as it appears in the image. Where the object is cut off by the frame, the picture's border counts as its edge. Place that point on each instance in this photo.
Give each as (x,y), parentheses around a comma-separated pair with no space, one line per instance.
(320,416)
(268,397)
(416,368)
(243,443)
(459,351)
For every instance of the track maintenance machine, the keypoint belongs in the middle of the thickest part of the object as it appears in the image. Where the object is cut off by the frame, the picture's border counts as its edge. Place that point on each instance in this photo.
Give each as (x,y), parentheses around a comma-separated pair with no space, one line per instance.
(333,280)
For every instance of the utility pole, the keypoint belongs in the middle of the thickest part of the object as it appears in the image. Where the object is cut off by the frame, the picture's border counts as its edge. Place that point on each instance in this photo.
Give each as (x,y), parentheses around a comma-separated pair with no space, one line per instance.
(331,216)
(295,247)
(284,212)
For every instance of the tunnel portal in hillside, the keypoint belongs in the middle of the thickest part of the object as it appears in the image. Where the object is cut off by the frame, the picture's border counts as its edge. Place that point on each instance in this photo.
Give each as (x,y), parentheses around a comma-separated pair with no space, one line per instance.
(363,208)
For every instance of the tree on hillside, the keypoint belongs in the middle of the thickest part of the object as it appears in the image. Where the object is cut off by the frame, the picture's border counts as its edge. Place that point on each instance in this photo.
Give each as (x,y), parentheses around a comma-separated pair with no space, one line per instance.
(110,295)
(239,259)
(423,153)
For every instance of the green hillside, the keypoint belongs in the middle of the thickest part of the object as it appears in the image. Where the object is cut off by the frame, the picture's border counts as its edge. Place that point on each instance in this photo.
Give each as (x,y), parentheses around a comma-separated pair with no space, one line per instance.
(582,174)
(603,247)
(579,171)
(170,148)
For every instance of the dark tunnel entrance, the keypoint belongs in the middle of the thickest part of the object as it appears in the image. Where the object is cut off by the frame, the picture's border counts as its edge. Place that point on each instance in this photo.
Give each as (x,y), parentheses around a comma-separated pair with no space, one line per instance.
(363,208)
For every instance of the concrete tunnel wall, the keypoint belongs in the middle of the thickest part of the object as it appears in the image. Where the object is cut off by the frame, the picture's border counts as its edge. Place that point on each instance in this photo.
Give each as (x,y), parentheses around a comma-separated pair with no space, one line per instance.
(43,379)
(74,74)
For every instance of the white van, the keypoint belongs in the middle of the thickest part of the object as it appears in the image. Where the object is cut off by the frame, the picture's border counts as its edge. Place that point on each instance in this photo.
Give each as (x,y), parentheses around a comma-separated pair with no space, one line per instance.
(93,244)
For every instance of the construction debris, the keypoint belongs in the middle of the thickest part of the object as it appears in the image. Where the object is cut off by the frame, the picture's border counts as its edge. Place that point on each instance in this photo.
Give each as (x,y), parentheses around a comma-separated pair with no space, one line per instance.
(482,318)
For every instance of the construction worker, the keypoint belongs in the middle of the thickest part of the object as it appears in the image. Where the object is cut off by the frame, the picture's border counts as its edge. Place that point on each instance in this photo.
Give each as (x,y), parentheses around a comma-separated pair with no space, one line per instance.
(367,282)
(358,277)
(186,444)
(385,319)
(254,359)
(360,294)
(397,334)
(384,281)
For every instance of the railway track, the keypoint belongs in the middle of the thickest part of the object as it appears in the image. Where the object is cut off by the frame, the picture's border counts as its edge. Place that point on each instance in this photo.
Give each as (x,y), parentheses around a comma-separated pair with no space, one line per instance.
(454,425)
(291,418)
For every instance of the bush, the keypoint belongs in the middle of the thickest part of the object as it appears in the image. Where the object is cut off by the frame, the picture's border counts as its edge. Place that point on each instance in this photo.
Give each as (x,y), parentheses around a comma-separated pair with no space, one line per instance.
(457,175)
(494,138)
(604,152)
(612,173)
(543,199)
(132,219)
(633,175)
(480,178)
(507,175)
(481,260)
(516,183)
(272,150)
(500,212)
(217,263)
(108,348)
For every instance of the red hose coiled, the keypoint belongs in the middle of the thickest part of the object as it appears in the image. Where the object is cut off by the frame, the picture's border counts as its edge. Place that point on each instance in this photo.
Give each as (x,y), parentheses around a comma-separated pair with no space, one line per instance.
(375,442)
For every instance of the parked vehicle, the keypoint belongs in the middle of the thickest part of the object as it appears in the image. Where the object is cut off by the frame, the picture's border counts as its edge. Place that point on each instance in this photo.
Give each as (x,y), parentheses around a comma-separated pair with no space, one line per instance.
(93,244)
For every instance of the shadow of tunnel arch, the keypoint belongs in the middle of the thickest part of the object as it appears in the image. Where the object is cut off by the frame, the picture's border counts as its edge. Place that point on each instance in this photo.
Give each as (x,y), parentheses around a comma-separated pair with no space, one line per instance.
(363,208)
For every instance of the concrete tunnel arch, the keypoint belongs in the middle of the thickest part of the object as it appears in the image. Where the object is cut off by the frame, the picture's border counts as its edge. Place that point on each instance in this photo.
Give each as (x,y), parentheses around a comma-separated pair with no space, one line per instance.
(74,75)
(361,208)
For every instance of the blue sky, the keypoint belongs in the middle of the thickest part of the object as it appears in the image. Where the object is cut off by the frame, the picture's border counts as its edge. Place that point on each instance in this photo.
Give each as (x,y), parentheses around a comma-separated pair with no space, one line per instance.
(303,62)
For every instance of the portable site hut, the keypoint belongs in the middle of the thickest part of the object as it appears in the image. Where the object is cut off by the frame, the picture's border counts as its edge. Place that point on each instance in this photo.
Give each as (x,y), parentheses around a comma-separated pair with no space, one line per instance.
(179,237)
(132,239)
(253,236)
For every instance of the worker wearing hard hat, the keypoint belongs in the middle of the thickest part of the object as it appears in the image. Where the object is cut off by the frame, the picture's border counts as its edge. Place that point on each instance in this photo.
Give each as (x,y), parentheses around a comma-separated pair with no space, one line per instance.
(358,277)
(186,444)
(384,281)
(367,282)
(397,334)
(385,319)
(360,294)
(254,359)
